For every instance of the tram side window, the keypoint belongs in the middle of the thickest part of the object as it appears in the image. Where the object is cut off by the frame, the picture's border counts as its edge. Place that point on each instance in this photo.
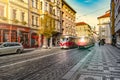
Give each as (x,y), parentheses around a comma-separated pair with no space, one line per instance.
(67,39)
(64,39)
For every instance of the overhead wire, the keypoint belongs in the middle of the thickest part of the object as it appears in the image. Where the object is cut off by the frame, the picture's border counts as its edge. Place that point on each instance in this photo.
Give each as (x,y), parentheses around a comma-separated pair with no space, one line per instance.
(95,11)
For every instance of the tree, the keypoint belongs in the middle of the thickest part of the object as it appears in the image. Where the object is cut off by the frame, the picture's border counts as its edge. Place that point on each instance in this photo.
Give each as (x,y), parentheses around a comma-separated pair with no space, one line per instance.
(47,28)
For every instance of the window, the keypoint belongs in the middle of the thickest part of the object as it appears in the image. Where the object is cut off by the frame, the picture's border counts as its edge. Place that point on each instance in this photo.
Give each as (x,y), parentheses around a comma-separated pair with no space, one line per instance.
(14,14)
(5,36)
(5,45)
(41,5)
(11,44)
(14,36)
(37,21)
(46,6)
(54,12)
(103,33)
(23,16)
(51,7)
(32,3)
(1,10)
(16,44)
(58,12)
(36,5)
(32,20)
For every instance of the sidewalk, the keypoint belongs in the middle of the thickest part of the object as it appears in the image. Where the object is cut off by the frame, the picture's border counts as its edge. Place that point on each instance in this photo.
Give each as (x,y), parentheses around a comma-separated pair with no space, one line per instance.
(103,64)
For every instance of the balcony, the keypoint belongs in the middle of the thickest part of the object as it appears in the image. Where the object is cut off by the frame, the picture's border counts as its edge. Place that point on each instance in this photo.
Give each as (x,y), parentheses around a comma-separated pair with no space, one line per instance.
(57,5)
(3,19)
(52,3)
(34,10)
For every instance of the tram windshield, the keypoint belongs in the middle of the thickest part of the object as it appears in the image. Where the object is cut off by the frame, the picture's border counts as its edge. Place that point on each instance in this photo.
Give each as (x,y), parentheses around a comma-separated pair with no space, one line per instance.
(64,39)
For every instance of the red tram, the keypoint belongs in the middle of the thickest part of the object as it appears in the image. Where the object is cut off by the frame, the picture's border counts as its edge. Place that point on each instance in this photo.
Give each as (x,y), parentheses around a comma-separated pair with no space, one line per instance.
(68,42)
(84,42)
(72,42)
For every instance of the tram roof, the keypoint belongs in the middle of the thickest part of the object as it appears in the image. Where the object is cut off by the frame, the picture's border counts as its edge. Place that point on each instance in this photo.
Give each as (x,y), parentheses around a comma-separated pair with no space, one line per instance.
(66,36)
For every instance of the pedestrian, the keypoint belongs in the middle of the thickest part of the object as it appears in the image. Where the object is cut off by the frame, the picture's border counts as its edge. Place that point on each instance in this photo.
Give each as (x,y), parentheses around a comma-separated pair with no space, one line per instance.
(99,43)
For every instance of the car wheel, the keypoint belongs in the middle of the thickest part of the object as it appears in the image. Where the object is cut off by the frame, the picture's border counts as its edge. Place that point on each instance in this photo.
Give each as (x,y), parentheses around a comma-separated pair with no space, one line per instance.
(18,51)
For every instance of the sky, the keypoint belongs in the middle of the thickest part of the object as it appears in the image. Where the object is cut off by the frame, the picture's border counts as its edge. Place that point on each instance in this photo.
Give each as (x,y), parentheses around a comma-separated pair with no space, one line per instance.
(89,10)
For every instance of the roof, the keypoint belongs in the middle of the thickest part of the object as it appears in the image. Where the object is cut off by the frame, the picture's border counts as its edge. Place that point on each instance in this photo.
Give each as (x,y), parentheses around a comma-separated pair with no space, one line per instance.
(64,2)
(81,23)
(105,15)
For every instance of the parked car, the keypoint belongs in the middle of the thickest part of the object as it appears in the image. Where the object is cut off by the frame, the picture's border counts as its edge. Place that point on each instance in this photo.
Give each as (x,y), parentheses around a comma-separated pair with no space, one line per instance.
(11,47)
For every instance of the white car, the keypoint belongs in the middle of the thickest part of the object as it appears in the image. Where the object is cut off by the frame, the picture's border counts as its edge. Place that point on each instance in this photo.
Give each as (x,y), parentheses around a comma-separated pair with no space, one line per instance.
(11,47)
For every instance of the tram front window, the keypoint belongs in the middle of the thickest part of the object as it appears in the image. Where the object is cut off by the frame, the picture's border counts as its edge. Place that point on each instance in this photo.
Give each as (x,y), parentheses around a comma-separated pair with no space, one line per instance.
(64,39)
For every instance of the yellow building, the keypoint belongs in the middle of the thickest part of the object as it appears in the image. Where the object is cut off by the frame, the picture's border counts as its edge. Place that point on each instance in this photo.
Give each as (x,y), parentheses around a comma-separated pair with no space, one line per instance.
(22,20)
(3,17)
(83,29)
(68,15)
(34,22)
(14,21)
(3,11)
(51,20)
(18,12)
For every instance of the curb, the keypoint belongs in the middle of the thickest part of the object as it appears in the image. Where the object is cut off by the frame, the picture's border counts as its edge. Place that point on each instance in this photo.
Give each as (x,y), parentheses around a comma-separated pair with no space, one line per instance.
(72,74)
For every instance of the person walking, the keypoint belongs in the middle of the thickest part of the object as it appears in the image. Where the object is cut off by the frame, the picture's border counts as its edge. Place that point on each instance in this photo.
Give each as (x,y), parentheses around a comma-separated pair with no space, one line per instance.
(99,43)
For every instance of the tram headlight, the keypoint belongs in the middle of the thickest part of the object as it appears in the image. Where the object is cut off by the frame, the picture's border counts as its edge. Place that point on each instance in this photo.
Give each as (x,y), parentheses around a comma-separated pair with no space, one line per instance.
(82,40)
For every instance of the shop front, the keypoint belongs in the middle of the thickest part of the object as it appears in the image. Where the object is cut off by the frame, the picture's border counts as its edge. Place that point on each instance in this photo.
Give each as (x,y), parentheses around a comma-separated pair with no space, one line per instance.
(56,39)
(24,36)
(34,40)
(12,33)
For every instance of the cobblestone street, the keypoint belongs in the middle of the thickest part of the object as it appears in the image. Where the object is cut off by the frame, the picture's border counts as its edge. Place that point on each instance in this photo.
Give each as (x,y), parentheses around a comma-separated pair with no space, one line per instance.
(103,64)
(40,65)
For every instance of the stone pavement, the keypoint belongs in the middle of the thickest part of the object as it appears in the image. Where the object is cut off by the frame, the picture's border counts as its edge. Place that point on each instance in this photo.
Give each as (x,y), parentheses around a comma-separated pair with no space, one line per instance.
(102,64)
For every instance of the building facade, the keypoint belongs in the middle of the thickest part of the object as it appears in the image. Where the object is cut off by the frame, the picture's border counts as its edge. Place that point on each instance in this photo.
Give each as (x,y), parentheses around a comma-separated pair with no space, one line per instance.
(51,20)
(68,21)
(104,27)
(115,20)
(21,21)
(14,21)
(25,20)
(83,29)
(112,21)
(34,22)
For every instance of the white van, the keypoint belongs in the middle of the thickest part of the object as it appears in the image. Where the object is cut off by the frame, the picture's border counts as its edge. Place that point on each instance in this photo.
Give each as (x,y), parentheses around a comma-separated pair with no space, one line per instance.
(11,47)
